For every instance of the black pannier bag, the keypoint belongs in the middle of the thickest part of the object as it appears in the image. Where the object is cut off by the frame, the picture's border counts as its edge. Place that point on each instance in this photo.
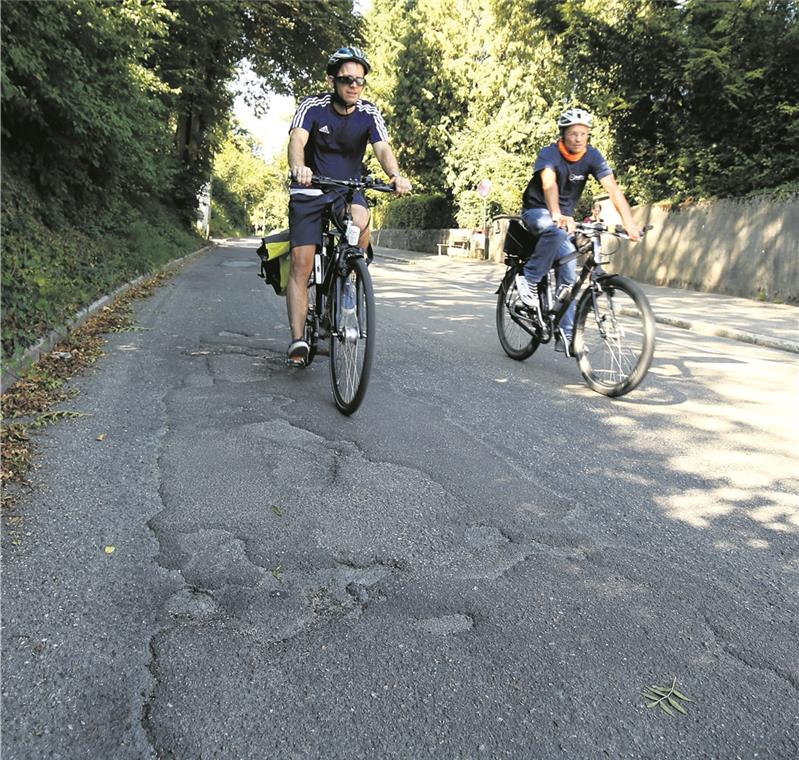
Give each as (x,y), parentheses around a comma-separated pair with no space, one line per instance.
(519,241)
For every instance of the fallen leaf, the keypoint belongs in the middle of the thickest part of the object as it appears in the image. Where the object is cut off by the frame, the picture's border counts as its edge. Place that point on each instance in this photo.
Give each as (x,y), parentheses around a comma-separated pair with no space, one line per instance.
(101,437)
(109,549)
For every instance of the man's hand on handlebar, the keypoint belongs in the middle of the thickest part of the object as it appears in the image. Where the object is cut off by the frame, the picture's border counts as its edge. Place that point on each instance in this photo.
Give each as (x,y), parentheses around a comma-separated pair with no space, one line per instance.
(564,222)
(402,185)
(302,175)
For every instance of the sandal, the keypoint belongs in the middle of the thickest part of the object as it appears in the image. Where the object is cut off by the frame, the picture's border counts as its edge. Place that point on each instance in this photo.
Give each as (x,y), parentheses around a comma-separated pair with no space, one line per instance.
(297,355)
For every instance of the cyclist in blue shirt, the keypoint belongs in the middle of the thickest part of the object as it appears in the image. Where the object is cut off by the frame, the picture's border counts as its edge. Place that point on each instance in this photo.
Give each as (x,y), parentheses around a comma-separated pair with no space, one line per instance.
(559,176)
(328,136)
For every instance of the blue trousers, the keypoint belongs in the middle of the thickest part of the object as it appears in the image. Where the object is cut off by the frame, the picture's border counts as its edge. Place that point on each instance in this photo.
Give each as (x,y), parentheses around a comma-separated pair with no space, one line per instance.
(553,244)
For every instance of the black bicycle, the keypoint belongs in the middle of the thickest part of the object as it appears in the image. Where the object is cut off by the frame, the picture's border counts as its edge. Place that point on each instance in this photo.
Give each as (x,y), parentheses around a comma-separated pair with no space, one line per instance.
(614,327)
(341,298)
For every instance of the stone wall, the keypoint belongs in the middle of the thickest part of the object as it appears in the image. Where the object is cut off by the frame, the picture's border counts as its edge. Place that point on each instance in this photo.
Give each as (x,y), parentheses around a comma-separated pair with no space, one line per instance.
(746,248)
(736,247)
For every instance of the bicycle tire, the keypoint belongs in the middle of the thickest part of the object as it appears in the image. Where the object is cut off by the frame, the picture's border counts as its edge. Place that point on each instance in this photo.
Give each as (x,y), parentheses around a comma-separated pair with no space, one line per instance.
(516,342)
(352,340)
(614,347)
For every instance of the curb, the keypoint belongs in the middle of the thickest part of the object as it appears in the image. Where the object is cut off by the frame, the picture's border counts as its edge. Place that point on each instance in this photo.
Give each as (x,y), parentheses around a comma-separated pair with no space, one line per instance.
(392,257)
(706,328)
(12,370)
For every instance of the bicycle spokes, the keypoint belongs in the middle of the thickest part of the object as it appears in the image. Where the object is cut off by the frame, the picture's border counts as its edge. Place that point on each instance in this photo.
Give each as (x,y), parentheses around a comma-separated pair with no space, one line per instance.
(614,338)
(352,342)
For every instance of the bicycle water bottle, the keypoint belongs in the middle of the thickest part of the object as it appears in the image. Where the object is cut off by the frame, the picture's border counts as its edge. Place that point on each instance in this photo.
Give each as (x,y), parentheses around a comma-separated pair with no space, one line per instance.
(353,233)
(560,296)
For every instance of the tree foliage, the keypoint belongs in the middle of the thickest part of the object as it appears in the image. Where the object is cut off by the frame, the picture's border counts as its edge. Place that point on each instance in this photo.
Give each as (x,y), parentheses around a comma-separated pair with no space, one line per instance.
(112,112)
(133,98)
(248,193)
(692,98)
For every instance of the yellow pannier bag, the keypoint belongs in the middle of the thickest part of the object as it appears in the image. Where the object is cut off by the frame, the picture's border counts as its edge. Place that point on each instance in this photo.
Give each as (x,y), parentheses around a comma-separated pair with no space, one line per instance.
(274,255)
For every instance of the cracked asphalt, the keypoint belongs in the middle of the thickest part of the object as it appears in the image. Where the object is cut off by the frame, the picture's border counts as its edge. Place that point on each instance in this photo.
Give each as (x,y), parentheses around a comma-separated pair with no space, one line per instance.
(486,560)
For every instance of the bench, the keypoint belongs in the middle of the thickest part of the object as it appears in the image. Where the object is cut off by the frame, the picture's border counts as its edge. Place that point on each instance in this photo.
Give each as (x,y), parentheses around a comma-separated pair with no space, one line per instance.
(459,244)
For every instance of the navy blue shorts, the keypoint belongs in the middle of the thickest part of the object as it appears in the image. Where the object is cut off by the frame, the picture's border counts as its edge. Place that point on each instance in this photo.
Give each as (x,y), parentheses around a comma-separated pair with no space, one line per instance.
(305,214)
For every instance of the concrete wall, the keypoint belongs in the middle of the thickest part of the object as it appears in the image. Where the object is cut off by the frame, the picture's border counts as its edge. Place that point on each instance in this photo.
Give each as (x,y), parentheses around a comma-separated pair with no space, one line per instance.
(426,241)
(746,248)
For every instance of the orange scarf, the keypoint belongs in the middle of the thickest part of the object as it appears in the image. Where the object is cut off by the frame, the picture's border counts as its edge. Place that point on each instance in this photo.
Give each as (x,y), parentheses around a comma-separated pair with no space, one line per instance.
(569,156)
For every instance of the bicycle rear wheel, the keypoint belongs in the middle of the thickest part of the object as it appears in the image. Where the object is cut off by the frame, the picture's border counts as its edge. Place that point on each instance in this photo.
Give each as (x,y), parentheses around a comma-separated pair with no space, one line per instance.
(352,338)
(614,336)
(514,339)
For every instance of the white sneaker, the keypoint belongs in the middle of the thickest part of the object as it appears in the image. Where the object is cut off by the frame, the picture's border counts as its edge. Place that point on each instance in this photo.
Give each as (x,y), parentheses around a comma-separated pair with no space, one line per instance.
(528,293)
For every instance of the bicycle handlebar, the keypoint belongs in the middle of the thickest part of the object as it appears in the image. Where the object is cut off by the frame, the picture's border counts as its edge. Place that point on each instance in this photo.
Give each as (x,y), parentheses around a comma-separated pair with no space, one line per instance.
(363,183)
(591,229)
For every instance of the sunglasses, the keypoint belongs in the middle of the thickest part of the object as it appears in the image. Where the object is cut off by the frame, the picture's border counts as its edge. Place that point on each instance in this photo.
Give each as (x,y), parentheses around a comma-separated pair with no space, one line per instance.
(360,81)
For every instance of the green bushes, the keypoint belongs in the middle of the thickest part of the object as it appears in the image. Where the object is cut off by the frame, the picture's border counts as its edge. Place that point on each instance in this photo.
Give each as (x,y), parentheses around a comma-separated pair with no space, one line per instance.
(415,212)
(50,273)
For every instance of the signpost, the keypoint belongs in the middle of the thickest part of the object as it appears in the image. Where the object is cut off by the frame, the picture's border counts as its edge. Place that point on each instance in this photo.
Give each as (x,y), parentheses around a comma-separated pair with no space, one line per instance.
(483,190)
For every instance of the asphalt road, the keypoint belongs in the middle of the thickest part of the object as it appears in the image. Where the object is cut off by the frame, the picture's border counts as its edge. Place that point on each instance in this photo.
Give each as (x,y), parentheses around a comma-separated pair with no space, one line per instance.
(487,560)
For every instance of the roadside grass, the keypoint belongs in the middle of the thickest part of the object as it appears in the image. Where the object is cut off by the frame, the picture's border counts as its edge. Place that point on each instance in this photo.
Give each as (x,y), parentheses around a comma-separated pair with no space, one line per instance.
(27,405)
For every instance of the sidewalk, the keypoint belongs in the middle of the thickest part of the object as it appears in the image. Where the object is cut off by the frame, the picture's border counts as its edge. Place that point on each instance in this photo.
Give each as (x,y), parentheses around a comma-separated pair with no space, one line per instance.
(763,324)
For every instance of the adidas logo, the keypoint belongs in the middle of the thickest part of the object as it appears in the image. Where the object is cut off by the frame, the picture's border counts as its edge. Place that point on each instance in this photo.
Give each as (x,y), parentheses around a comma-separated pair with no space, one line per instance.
(324,129)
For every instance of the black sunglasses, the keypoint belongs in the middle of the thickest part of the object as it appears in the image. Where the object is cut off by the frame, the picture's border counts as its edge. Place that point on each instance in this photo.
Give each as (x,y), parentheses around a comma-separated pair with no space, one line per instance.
(360,81)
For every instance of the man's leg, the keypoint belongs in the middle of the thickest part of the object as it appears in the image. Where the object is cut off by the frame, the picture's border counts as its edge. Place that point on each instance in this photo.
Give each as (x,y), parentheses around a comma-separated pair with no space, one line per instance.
(551,238)
(360,216)
(297,288)
(567,275)
(305,223)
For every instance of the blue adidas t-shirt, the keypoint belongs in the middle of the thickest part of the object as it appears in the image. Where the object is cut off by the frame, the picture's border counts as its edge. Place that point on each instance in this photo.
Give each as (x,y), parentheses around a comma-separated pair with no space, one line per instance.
(572,177)
(337,142)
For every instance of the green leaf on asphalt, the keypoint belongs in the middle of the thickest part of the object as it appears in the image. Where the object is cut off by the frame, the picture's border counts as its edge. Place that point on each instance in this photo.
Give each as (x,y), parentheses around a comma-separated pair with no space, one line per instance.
(666,709)
(666,698)
(276,510)
(677,706)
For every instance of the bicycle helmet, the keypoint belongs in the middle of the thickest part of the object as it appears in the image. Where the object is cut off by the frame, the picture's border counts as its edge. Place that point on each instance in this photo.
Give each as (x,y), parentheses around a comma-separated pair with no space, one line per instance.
(344,54)
(572,116)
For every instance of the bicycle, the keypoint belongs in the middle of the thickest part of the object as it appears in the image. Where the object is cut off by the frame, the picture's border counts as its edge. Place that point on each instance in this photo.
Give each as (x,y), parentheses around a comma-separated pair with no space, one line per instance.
(614,327)
(341,298)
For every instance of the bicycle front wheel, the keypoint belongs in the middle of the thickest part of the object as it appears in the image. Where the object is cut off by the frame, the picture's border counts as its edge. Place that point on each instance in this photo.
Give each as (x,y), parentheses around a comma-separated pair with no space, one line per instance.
(517,342)
(352,338)
(614,336)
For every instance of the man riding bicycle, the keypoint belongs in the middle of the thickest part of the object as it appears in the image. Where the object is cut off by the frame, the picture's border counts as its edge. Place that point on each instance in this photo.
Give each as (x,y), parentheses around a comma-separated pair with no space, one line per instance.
(559,176)
(328,136)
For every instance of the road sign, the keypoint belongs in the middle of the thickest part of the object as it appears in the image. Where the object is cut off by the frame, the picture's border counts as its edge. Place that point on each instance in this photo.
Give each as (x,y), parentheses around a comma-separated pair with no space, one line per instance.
(484,188)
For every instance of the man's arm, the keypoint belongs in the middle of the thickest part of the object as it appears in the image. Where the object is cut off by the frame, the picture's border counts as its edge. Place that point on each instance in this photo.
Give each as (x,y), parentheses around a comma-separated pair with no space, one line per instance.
(549,186)
(298,138)
(620,203)
(385,156)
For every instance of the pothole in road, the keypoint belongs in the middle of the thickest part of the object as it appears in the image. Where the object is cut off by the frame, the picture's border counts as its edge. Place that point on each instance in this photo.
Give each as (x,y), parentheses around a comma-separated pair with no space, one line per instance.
(446,624)
(483,536)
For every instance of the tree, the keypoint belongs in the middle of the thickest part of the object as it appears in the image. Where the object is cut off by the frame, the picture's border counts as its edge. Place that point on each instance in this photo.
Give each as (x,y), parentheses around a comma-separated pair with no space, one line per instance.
(207,40)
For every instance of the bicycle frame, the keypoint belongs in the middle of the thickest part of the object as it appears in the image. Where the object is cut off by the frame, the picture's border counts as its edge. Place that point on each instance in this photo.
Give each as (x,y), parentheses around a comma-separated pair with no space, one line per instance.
(591,269)
(331,256)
